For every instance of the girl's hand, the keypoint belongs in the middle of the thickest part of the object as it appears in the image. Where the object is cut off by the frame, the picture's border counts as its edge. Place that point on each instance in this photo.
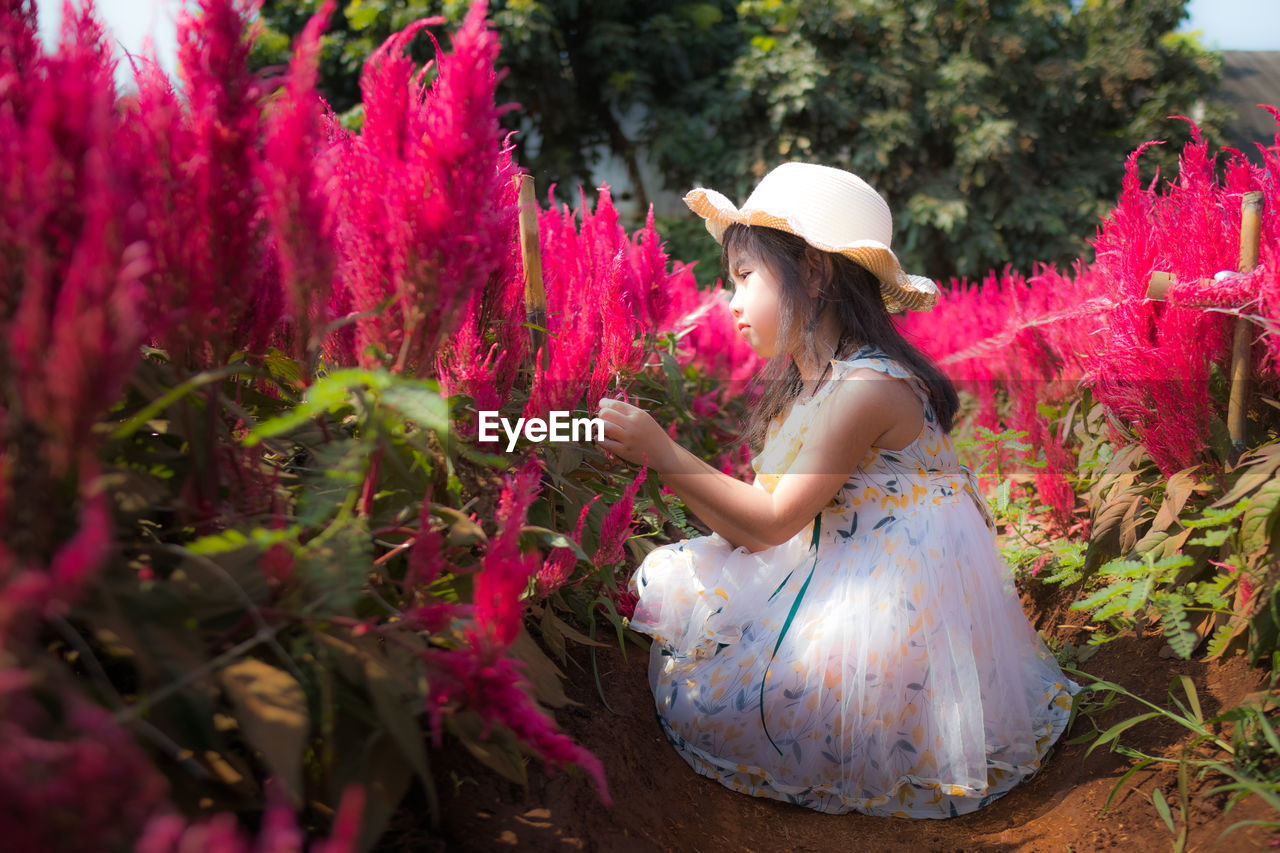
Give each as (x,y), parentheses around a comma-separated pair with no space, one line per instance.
(634,435)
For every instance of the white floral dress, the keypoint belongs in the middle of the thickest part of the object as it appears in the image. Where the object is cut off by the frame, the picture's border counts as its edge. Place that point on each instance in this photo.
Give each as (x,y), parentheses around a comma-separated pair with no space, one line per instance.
(887,668)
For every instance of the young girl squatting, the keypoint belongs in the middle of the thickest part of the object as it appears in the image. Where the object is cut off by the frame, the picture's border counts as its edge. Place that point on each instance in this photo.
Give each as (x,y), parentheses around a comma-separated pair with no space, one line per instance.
(848,638)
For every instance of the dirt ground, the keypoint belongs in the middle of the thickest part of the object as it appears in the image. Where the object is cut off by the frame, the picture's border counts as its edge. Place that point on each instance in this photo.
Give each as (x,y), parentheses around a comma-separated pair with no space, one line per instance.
(661,804)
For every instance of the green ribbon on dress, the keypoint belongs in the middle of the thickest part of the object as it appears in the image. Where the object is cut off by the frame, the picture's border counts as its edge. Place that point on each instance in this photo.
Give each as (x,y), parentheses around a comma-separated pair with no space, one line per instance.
(786,626)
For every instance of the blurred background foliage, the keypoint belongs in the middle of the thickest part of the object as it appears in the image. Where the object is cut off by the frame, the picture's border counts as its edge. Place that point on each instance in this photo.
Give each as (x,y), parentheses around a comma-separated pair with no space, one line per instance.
(997,129)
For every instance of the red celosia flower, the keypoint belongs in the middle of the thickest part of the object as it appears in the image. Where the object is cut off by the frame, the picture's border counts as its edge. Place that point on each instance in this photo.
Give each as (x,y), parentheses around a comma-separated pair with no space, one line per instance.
(69,328)
(215,287)
(616,526)
(424,554)
(1149,363)
(59,777)
(82,556)
(491,343)
(469,678)
(592,286)
(418,224)
(558,566)
(345,837)
(504,573)
(298,198)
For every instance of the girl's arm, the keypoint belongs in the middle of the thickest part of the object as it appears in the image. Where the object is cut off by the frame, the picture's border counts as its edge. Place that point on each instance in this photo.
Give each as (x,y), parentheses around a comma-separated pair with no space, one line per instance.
(848,422)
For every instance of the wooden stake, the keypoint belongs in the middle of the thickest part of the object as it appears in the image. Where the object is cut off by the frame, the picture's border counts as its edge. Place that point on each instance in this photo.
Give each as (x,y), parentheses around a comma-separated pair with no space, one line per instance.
(1159,285)
(1241,345)
(535,295)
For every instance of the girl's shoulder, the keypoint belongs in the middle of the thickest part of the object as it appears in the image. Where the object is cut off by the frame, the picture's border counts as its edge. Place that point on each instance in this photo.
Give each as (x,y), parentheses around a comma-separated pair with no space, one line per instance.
(872,358)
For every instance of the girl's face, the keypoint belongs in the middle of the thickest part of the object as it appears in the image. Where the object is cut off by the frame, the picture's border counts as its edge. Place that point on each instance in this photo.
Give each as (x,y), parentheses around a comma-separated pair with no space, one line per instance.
(755,303)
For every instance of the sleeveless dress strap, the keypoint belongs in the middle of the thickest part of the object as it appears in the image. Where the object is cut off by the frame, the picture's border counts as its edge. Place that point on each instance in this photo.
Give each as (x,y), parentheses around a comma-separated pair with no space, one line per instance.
(876,359)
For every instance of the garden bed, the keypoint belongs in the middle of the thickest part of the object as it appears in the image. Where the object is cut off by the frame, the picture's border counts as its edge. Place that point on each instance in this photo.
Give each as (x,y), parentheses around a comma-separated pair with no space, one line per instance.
(661,804)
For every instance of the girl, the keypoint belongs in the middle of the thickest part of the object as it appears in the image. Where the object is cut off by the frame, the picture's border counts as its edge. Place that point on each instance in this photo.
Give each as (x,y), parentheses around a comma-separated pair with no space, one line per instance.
(848,638)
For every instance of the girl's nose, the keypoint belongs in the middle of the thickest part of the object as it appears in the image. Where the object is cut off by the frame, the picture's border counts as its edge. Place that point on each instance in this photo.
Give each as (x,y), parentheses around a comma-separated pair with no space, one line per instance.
(735,306)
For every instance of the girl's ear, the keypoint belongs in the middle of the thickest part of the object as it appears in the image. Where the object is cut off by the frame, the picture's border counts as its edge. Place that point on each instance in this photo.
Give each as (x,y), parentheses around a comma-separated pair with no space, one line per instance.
(818,271)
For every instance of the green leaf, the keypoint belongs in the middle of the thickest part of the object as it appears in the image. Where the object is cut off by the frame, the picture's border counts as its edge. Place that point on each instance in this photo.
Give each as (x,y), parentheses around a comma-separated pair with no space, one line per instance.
(1002,496)
(499,751)
(675,379)
(335,566)
(1121,727)
(232,539)
(555,539)
(1193,698)
(462,530)
(1212,538)
(360,15)
(1260,518)
(541,672)
(271,709)
(1177,627)
(1162,808)
(327,396)
(419,402)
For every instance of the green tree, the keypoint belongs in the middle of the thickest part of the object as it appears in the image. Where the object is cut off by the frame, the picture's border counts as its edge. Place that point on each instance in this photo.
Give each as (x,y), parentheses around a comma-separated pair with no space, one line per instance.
(997,129)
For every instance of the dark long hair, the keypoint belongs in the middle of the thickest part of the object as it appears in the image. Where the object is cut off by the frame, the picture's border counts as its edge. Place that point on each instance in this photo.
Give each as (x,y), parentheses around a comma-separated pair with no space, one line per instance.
(849,289)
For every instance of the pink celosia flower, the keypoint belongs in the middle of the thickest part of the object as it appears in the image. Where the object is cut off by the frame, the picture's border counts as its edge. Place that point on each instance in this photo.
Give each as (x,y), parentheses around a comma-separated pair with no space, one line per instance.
(616,526)
(279,832)
(59,777)
(1152,368)
(69,328)
(469,678)
(591,330)
(558,566)
(1033,339)
(298,198)
(424,554)
(418,225)
(491,343)
(505,572)
(216,285)
(82,556)
(345,837)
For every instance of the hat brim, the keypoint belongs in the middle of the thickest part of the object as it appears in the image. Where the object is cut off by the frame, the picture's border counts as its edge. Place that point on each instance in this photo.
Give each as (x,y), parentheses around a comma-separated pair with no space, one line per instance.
(900,290)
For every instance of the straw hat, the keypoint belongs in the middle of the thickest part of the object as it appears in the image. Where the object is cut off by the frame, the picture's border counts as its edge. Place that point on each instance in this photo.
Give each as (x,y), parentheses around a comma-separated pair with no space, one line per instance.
(831,210)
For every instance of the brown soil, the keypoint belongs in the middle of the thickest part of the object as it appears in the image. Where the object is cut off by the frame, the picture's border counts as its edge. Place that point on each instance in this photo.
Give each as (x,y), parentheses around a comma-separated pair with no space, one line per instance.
(661,804)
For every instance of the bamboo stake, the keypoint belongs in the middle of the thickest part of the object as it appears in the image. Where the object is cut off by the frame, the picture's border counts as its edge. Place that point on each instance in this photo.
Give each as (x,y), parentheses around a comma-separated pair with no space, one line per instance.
(535,295)
(1241,345)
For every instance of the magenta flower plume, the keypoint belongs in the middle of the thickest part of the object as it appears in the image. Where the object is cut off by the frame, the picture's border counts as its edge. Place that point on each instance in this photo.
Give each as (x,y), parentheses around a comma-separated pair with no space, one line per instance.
(424,554)
(19,52)
(616,526)
(59,777)
(1149,363)
(477,676)
(345,836)
(69,325)
(298,193)
(419,226)
(214,288)
(1152,369)
(81,557)
(505,572)
(485,354)
(469,678)
(710,341)
(279,832)
(559,564)
(592,330)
